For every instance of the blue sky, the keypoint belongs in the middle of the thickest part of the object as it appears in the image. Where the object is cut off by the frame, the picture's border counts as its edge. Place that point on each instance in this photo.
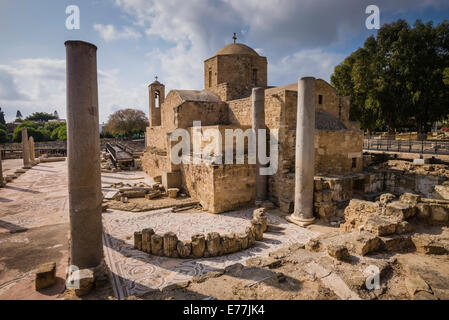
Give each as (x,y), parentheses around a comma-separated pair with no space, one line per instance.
(138,39)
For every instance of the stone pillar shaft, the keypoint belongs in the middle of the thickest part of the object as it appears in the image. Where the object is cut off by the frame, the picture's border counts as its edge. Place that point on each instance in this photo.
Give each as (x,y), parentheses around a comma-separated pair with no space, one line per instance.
(2,183)
(258,122)
(32,153)
(83,150)
(25,148)
(305,152)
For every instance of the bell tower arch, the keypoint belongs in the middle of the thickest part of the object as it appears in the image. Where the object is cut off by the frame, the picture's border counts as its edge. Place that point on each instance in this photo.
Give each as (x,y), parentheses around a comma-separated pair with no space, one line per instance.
(156,91)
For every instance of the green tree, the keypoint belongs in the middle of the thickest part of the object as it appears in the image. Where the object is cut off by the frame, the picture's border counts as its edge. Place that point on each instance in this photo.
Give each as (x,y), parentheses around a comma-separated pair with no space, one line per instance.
(2,117)
(3,136)
(39,133)
(19,115)
(127,122)
(40,116)
(398,79)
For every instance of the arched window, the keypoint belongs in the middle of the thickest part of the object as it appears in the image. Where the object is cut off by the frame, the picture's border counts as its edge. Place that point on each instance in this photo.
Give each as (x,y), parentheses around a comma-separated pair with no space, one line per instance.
(156,99)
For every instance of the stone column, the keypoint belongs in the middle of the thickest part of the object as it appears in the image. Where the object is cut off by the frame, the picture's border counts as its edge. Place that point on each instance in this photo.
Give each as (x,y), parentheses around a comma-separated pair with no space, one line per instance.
(258,122)
(25,149)
(83,154)
(305,153)
(32,154)
(2,183)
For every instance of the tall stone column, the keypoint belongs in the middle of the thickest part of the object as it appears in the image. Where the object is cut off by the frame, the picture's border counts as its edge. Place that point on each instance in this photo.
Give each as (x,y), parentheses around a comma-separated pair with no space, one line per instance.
(83,153)
(258,122)
(305,153)
(25,149)
(2,182)
(32,153)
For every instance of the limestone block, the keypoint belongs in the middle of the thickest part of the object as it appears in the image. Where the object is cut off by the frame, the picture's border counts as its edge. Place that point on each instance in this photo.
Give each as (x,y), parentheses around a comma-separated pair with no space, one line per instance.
(184,248)
(267,205)
(157,243)
(257,228)
(442,191)
(439,213)
(243,241)
(313,245)
(399,209)
(172,192)
(86,279)
(229,243)
(153,195)
(134,194)
(170,245)
(365,243)
(198,245)
(45,276)
(339,252)
(403,227)
(157,179)
(426,244)
(423,210)
(410,198)
(260,215)
(251,237)
(213,244)
(318,197)
(381,226)
(386,198)
(146,239)
(138,240)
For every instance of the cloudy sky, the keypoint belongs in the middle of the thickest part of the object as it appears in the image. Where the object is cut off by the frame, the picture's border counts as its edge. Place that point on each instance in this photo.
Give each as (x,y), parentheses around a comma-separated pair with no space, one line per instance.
(138,39)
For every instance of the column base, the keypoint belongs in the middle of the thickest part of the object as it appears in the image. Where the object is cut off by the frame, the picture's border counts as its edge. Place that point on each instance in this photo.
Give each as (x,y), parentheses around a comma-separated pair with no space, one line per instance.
(302,222)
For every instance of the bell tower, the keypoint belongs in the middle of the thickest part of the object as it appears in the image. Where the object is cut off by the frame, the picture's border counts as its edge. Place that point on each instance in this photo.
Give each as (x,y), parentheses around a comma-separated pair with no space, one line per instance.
(156,92)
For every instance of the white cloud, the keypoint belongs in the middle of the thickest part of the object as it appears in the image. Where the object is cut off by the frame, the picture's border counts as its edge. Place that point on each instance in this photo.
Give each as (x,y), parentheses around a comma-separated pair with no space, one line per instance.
(109,33)
(33,85)
(288,32)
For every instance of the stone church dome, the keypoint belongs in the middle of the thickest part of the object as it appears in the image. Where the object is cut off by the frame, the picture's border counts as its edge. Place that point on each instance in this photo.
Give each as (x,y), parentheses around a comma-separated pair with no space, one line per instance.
(236,48)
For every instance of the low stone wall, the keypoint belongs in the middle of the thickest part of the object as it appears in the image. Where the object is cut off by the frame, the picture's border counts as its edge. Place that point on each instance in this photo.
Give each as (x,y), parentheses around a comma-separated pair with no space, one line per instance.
(200,245)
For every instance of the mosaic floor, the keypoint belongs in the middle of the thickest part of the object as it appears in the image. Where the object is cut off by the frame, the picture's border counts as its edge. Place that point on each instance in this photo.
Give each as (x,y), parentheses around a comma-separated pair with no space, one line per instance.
(135,272)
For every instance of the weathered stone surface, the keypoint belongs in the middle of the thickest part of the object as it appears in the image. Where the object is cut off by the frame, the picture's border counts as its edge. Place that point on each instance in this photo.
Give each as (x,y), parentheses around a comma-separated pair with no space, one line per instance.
(414,284)
(423,210)
(172,192)
(86,280)
(400,210)
(251,237)
(340,252)
(403,227)
(267,205)
(243,240)
(153,195)
(146,239)
(198,245)
(381,226)
(157,179)
(427,244)
(138,240)
(386,198)
(257,228)
(170,245)
(410,198)
(365,243)
(157,243)
(313,245)
(229,243)
(442,191)
(260,215)
(184,248)
(134,194)
(45,276)
(213,244)
(439,213)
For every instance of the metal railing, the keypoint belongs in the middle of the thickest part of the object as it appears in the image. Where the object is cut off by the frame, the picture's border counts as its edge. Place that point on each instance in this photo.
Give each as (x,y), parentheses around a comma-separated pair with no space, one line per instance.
(408,146)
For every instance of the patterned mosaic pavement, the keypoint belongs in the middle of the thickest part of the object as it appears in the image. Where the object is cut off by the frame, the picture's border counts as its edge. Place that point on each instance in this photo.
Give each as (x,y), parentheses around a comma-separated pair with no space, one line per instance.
(135,272)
